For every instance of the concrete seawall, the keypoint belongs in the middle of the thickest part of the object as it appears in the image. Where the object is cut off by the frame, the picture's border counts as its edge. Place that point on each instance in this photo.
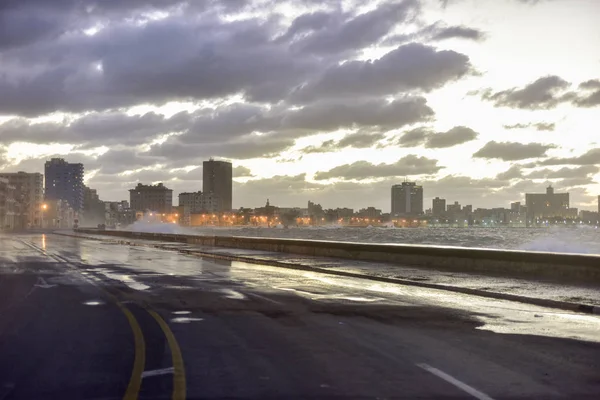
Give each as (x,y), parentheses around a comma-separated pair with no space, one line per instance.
(536,265)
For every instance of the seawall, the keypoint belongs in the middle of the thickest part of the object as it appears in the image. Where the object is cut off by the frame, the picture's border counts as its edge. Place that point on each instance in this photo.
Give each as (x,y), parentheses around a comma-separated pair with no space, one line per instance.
(559,267)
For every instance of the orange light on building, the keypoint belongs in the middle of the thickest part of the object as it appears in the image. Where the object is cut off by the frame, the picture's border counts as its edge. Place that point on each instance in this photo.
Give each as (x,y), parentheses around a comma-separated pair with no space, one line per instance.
(44,206)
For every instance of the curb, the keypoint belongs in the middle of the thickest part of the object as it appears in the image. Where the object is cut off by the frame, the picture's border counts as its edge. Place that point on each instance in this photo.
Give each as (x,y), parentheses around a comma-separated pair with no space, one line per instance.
(563,305)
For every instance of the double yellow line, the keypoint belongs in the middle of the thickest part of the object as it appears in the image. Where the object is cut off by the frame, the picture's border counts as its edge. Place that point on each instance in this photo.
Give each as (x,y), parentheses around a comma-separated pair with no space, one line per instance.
(139,362)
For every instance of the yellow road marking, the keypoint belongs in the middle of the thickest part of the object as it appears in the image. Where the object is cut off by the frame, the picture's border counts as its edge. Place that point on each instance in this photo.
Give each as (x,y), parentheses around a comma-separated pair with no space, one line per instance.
(179,386)
(139,362)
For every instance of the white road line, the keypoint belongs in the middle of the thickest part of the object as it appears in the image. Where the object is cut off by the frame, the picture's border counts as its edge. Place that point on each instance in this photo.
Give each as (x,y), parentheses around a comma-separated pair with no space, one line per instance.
(462,386)
(156,372)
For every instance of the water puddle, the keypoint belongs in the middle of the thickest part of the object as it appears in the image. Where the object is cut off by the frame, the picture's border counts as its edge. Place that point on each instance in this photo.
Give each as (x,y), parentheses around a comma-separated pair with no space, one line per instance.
(94,303)
(185,320)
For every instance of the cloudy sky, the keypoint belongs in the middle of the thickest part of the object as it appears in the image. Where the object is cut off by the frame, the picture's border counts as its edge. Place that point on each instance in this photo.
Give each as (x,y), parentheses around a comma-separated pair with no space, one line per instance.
(325,100)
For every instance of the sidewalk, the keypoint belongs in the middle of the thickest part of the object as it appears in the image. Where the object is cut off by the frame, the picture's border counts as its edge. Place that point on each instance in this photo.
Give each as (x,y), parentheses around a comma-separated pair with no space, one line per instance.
(550,294)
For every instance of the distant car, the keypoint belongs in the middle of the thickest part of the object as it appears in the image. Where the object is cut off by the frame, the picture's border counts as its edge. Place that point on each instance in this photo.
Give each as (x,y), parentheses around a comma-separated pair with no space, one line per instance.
(102,227)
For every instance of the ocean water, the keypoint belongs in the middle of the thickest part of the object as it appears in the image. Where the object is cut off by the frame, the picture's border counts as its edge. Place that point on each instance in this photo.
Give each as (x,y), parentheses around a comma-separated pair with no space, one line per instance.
(578,239)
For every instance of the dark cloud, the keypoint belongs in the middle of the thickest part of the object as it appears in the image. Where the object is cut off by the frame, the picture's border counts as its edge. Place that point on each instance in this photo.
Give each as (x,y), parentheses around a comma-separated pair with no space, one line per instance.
(455,136)
(514,172)
(512,151)
(591,84)
(332,115)
(322,116)
(360,140)
(323,33)
(325,147)
(591,157)
(541,94)
(176,58)
(540,126)
(414,137)
(590,100)
(564,173)
(410,67)
(437,140)
(242,172)
(249,146)
(458,32)
(407,166)
(94,129)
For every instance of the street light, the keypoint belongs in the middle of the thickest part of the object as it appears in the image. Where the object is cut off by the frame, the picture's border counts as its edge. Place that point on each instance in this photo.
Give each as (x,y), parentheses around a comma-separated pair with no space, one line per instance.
(44,208)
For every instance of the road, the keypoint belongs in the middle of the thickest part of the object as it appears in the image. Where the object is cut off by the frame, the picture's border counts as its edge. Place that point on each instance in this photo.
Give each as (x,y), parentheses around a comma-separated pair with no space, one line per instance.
(83,319)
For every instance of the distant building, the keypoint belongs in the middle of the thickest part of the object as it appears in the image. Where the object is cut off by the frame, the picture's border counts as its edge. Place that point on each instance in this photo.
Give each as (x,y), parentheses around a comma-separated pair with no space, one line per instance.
(369,212)
(468,209)
(217,178)
(407,199)
(547,205)
(93,208)
(64,181)
(156,198)
(598,204)
(439,207)
(7,205)
(29,196)
(589,217)
(198,202)
(453,208)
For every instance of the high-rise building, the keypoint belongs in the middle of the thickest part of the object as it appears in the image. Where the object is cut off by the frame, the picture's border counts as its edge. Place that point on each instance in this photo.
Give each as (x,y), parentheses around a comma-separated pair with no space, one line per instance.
(217,178)
(407,199)
(547,205)
(64,181)
(29,197)
(439,207)
(157,198)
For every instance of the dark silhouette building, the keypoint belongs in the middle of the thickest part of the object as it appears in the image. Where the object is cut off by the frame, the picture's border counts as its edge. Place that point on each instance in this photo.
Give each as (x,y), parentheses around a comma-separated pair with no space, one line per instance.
(217,178)
(64,181)
(407,199)
(157,198)
(439,207)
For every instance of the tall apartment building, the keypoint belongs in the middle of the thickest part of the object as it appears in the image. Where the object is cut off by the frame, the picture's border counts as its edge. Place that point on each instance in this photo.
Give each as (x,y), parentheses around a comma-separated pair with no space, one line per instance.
(439,207)
(547,205)
(64,181)
(407,199)
(198,202)
(29,197)
(217,178)
(157,198)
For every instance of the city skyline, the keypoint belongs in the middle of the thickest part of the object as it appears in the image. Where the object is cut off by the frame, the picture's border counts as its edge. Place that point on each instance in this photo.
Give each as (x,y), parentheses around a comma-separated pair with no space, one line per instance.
(476,103)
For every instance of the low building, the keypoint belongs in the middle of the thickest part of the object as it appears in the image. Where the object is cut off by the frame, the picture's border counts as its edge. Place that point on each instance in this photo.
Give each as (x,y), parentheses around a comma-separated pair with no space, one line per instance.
(198,202)
(58,214)
(154,198)
(547,205)
(29,197)
(7,205)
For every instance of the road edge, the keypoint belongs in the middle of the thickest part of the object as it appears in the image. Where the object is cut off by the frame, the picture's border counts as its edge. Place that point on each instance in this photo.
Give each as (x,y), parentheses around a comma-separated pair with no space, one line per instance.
(563,305)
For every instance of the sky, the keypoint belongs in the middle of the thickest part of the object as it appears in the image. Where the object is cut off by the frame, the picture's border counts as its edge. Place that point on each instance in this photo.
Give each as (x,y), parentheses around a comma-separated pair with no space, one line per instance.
(332,101)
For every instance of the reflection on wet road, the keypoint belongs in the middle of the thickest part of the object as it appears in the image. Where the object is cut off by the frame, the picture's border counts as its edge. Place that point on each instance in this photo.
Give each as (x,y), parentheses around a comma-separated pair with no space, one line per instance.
(89,319)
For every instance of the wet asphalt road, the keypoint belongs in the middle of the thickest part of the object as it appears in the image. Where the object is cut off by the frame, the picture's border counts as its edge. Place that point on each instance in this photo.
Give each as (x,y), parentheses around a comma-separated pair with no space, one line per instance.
(85,319)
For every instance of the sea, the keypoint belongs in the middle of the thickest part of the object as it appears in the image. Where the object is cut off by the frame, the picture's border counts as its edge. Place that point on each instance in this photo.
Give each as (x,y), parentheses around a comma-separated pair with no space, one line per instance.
(574,239)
